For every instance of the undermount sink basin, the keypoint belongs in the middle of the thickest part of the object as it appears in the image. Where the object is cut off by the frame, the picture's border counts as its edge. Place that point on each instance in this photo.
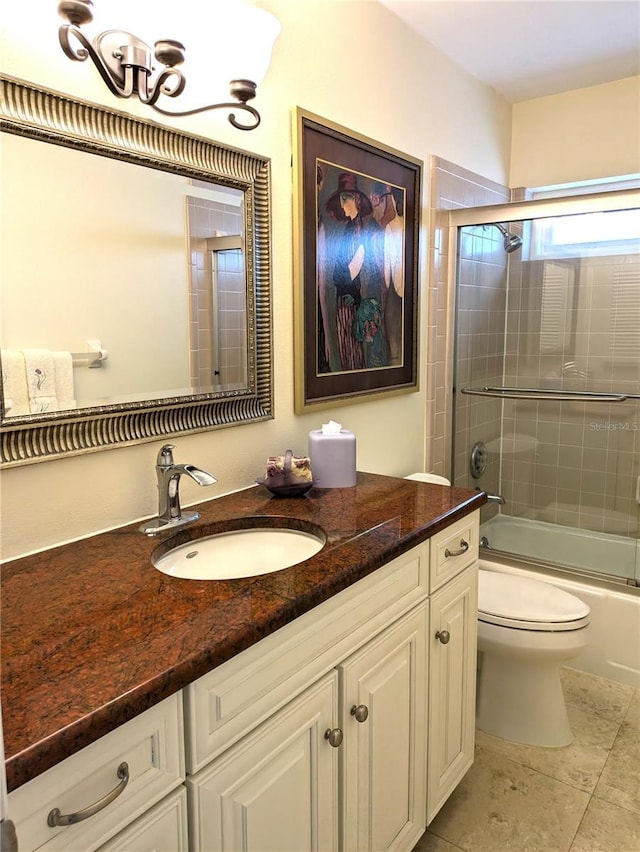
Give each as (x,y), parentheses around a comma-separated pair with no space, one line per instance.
(239,553)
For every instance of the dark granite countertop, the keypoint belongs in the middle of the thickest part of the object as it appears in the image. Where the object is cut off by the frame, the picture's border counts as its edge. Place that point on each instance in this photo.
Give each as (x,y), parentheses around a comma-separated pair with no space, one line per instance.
(93,634)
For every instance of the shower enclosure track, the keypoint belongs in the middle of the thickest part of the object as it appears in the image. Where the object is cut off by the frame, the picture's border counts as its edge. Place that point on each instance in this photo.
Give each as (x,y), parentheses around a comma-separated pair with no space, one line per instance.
(549,394)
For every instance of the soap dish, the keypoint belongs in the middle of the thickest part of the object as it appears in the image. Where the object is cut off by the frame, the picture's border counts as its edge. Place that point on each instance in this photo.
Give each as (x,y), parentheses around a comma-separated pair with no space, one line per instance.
(286,489)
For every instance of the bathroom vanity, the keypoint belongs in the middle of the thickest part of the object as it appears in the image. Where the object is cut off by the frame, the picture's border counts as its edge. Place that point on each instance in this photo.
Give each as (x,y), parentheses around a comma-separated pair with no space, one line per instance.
(329,705)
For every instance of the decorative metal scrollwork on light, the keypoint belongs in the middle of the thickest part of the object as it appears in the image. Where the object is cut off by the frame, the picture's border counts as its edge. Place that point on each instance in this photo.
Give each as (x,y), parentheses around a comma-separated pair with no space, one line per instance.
(125,63)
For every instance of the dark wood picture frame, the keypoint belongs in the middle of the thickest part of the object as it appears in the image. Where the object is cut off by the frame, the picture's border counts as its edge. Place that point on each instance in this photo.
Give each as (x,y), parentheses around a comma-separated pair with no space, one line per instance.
(356,234)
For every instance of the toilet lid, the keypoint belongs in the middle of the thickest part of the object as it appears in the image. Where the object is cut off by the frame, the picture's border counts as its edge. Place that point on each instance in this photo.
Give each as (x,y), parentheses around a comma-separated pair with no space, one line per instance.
(514,601)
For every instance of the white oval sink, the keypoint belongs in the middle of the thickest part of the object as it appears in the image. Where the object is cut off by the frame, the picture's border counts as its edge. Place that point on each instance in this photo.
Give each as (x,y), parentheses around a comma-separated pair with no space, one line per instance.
(239,553)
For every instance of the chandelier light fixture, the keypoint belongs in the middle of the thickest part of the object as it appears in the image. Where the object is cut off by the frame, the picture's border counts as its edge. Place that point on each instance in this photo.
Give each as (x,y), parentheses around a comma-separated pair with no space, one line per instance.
(130,67)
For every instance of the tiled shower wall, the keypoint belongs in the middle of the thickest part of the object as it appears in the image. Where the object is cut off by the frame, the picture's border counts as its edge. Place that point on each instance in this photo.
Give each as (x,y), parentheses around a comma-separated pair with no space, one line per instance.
(232,319)
(574,463)
(217,328)
(480,339)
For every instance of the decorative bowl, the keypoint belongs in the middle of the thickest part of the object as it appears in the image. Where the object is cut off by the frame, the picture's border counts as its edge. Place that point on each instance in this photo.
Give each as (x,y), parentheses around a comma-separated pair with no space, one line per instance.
(286,489)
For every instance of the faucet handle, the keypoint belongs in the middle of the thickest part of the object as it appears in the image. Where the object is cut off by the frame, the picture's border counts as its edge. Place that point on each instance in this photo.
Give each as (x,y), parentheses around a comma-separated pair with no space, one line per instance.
(165,456)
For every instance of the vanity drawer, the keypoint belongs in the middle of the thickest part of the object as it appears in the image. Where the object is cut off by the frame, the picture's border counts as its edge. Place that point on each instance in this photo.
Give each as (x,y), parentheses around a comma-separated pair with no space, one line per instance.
(161,829)
(152,747)
(226,703)
(452,550)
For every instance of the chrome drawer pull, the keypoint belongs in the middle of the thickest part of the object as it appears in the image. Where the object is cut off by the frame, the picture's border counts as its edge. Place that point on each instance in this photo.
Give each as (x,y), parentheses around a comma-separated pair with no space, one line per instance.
(55,818)
(464,546)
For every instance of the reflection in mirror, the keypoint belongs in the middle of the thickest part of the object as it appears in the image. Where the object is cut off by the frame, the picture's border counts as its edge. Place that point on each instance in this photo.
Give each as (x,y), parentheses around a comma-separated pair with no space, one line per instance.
(146,245)
(124,261)
(558,309)
(217,289)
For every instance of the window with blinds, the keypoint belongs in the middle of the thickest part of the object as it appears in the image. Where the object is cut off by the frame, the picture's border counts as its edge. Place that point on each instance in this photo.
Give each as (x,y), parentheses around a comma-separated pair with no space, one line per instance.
(624,322)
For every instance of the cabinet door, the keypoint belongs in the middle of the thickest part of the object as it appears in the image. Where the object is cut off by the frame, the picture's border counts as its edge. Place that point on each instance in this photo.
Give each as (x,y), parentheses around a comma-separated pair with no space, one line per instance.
(276,789)
(383,702)
(452,686)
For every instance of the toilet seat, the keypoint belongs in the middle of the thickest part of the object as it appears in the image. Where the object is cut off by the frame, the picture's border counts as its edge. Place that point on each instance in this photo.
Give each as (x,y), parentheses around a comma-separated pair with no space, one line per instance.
(523,604)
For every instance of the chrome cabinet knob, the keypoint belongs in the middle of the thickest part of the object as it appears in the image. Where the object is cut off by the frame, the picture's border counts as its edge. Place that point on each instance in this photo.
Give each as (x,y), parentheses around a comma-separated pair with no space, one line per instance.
(334,736)
(443,636)
(361,712)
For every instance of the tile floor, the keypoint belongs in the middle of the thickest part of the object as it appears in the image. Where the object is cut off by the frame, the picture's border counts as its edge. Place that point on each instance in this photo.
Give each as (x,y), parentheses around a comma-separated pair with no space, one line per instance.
(581,798)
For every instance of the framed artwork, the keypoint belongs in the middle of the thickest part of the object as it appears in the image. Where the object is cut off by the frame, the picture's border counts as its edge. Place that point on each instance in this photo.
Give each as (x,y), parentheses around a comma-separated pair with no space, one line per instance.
(356,226)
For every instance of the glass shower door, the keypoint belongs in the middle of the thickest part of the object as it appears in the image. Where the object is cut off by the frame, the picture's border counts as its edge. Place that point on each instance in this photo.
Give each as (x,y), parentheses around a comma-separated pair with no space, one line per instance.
(547,386)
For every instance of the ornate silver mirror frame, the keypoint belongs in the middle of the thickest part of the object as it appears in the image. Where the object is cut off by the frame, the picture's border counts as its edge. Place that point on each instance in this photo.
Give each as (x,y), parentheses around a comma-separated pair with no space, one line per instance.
(51,117)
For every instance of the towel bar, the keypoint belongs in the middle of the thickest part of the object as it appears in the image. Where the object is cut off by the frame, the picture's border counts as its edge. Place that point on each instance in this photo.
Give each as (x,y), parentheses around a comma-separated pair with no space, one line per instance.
(92,358)
(549,394)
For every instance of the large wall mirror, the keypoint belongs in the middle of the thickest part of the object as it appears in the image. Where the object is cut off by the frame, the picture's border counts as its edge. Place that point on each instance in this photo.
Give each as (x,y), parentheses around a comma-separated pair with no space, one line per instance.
(136,279)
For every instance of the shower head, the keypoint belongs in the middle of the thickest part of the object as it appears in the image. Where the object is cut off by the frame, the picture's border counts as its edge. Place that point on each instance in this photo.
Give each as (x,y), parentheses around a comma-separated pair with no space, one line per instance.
(512,242)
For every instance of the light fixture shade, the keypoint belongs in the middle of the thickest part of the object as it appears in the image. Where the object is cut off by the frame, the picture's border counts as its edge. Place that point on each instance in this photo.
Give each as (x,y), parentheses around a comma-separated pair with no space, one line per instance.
(225,40)
(248,54)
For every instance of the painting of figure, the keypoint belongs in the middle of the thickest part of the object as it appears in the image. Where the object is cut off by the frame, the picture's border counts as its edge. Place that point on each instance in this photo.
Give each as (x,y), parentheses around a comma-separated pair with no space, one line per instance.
(359,234)
(360,271)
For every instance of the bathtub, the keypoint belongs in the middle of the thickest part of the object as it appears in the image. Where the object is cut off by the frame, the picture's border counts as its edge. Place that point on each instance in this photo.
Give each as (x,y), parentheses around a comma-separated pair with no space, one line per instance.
(614,645)
(607,555)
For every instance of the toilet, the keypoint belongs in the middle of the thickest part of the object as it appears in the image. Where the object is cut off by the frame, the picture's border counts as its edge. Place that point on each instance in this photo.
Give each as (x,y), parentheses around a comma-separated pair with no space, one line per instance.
(433,478)
(527,629)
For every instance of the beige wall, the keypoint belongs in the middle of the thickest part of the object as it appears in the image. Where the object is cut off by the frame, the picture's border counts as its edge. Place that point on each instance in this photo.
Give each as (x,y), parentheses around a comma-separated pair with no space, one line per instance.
(366,71)
(581,135)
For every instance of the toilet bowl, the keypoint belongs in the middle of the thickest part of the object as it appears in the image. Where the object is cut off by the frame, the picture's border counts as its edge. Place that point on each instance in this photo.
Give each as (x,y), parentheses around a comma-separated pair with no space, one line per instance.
(526,630)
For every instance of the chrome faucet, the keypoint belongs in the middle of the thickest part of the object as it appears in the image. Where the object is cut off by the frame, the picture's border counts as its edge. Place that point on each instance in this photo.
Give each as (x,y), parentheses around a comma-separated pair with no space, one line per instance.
(168,474)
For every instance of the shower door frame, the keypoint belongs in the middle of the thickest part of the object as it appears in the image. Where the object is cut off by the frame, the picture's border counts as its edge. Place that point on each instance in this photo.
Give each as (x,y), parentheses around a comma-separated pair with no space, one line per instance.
(512,211)
(516,211)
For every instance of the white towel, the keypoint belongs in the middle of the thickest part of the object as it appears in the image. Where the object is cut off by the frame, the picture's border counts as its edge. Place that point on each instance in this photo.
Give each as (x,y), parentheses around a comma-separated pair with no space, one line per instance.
(14,383)
(41,380)
(63,368)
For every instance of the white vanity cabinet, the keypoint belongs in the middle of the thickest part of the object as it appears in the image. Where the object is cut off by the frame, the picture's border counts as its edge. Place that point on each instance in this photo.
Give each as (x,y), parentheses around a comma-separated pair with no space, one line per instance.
(384,689)
(273,771)
(453,607)
(80,804)
(284,785)
(350,727)
(277,788)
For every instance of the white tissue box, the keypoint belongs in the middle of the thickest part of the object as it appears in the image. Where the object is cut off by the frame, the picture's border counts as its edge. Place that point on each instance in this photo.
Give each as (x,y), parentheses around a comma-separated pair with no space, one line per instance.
(333,458)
